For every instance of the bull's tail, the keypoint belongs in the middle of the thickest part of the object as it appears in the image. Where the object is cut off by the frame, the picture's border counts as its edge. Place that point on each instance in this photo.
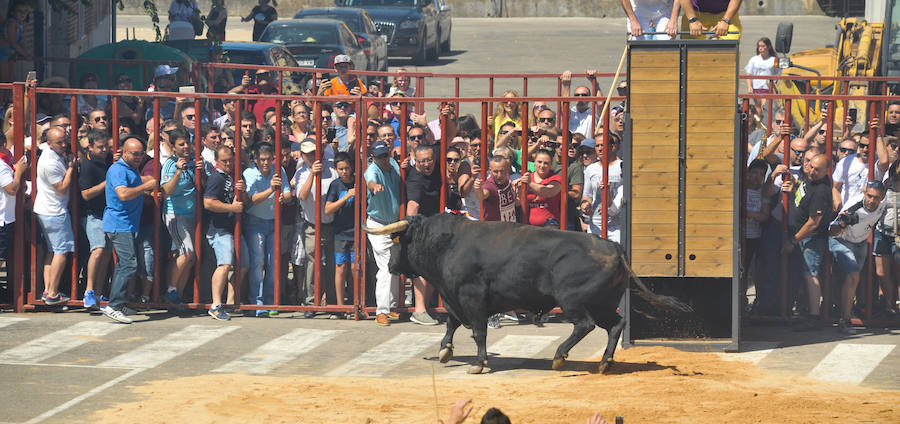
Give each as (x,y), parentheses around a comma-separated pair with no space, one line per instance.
(660,301)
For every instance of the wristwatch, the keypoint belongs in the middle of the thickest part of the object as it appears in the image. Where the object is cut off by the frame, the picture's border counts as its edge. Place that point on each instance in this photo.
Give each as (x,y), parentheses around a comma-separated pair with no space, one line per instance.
(726,20)
(692,20)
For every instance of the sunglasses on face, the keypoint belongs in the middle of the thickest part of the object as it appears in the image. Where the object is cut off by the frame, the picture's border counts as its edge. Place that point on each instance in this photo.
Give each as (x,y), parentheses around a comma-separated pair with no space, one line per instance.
(779,121)
(582,94)
(821,131)
(847,150)
(894,146)
(453,160)
(101,118)
(341,105)
(546,119)
(798,152)
(417,137)
(541,107)
(189,116)
(863,146)
(395,104)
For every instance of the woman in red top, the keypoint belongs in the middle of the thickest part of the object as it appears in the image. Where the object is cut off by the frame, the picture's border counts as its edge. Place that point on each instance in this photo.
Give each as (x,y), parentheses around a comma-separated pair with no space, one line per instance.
(544,188)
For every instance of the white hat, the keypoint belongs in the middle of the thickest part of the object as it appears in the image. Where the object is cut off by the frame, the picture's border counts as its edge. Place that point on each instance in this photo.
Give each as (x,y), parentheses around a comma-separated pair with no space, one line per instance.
(342,58)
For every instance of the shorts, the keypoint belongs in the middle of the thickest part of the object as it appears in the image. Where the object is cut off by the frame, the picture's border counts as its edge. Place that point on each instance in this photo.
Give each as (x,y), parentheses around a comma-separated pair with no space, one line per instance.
(93,228)
(222,243)
(343,252)
(812,249)
(58,232)
(6,239)
(849,256)
(883,245)
(181,229)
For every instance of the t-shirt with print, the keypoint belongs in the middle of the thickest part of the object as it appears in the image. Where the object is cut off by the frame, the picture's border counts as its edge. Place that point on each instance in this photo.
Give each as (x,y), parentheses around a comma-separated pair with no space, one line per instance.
(853,174)
(812,198)
(500,205)
(343,218)
(51,169)
(220,186)
(92,173)
(181,201)
(424,190)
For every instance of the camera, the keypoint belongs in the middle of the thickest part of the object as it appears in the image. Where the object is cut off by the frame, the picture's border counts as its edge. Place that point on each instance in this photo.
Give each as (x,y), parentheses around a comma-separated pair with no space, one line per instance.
(330,134)
(476,160)
(848,219)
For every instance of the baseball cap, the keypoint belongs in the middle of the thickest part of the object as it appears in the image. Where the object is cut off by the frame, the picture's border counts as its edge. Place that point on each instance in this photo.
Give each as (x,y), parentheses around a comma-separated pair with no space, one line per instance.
(308,145)
(41,118)
(588,143)
(164,70)
(342,58)
(380,149)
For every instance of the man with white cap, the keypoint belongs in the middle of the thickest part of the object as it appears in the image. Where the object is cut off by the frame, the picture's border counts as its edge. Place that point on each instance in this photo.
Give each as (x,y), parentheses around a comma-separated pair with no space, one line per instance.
(344,84)
(163,80)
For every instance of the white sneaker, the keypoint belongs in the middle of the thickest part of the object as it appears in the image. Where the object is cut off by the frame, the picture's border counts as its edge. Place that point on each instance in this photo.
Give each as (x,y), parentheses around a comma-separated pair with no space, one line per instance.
(494,321)
(510,316)
(115,315)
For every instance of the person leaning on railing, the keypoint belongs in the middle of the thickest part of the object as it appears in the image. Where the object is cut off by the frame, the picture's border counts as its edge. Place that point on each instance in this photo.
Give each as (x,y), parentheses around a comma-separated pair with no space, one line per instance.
(11,177)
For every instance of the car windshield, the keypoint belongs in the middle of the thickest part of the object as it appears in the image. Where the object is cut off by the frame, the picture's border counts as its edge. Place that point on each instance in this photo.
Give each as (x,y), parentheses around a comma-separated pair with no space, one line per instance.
(351,20)
(397,3)
(295,34)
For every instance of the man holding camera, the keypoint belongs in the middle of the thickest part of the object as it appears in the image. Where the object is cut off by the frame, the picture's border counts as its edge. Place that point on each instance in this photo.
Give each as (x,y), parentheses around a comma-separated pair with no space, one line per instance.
(849,232)
(344,84)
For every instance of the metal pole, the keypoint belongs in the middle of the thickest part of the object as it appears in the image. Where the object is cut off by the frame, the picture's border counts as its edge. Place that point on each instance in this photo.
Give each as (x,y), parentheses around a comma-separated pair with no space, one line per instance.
(278,169)
(18,274)
(483,151)
(157,275)
(442,165)
(198,193)
(786,145)
(826,278)
(238,175)
(873,141)
(73,188)
(524,149)
(19,133)
(564,199)
(317,187)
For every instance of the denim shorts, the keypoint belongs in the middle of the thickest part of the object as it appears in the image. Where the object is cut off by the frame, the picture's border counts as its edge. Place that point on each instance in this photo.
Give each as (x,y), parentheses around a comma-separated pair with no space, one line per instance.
(813,249)
(884,245)
(181,230)
(849,256)
(222,243)
(93,228)
(58,232)
(343,252)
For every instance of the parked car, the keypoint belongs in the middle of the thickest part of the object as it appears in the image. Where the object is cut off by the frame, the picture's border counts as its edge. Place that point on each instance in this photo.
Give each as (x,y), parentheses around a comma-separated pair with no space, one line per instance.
(315,42)
(413,27)
(252,53)
(445,23)
(360,23)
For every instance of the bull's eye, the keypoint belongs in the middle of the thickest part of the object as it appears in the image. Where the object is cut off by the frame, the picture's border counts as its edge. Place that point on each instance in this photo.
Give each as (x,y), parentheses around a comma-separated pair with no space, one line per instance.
(396,239)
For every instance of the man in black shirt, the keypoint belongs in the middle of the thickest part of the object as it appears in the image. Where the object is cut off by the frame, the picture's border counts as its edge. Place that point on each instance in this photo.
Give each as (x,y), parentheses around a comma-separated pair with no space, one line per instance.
(811,209)
(222,198)
(92,181)
(423,193)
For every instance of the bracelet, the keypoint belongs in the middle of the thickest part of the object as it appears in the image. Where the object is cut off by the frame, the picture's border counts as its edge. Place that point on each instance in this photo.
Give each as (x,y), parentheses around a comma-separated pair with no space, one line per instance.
(692,20)
(726,20)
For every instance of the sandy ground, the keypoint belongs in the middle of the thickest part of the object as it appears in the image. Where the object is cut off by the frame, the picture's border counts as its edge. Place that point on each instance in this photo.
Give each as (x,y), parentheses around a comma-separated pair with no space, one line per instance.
(644,385)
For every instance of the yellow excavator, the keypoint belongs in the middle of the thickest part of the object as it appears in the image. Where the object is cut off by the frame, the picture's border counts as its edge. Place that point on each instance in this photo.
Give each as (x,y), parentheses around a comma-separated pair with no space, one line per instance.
(866,44)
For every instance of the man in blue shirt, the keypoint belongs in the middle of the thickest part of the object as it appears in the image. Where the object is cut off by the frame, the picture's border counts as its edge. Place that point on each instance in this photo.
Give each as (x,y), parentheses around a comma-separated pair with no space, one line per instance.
(121,218)
(179,185)
(382,207)
(262,182)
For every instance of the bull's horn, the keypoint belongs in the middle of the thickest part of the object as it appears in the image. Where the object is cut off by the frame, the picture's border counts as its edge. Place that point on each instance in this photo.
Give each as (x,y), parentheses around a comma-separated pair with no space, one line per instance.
(388,229)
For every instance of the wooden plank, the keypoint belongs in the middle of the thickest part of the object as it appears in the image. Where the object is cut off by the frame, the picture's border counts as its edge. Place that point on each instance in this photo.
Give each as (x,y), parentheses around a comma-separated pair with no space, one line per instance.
(666,113)
(657,190)
(723,139)
(662,100)
(653,87)
(695,111)
(655,165)
(710,124)
(656,125)
(708,270)
(655,269)
(712,242)
(704,191)
(707,217)
(695,229)
(640,138)
(709,165)
(652,74)
(655,255)
(710,73)
(655,59)
(654,242)
(705,178)
(708,256)
(711,100)
(724,87)
(662,230)
(708,152)
(653,217)
(723,204)
(643,203)
(655,151)
(659,178)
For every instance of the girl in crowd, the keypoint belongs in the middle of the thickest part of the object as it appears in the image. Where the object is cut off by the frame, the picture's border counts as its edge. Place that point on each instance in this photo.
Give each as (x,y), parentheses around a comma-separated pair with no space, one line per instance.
(762,64)
(262,14)
(507,111)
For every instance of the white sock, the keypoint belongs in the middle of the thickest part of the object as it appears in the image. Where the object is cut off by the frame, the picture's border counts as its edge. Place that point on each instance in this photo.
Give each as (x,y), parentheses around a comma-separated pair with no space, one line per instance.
(171,289)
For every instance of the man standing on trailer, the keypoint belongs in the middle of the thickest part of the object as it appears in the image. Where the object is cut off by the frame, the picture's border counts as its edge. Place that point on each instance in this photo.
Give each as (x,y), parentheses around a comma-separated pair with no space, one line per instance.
(651,16)
(720,16)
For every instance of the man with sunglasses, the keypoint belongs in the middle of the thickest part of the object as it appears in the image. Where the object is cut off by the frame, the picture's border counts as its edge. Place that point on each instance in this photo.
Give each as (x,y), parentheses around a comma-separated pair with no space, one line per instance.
(345,83)
(99,120)
(847,147)
(580,114)
(592,195)
(852,172)
(546,119)
(344,123)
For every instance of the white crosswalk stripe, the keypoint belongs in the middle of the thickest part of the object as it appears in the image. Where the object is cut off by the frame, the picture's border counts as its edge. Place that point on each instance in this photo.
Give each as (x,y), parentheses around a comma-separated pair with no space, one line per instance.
(850,362)
(57,342)
(7,321)
(279,351)
(752,352)
(379,360)
(155,353)
(512,350)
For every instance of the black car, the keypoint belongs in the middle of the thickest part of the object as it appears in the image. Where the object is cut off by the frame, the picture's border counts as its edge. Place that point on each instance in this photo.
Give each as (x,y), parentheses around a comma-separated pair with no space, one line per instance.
(315,42)
(247,53)
(360,23)
(413,27)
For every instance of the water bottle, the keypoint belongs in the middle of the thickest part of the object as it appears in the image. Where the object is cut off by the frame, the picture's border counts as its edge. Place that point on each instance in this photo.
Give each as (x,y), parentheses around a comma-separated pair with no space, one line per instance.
(650,31)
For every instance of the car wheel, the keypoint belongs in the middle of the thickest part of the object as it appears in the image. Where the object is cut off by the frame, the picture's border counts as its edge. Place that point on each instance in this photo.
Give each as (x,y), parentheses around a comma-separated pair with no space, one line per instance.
(445,47)
(435,52)
(420,58)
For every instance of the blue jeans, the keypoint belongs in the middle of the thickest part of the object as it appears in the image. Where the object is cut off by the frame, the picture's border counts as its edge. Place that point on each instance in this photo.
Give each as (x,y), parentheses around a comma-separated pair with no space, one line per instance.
(124,245)
(260,236)
(849,256)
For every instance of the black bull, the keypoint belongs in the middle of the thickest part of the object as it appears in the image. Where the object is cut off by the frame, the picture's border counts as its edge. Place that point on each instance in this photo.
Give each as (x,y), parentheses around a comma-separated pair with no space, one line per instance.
(483,268)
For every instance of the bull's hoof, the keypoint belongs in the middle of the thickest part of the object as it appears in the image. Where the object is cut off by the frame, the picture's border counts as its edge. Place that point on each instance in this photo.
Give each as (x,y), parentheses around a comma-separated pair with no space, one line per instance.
(475,369)
(445,354)
(604,366)
(558,363)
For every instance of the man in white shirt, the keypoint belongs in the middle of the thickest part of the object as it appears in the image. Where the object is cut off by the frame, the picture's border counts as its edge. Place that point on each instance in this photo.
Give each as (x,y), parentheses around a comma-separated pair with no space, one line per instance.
(581,118)
(591,201)
(54,177)
(852,172)
(12,177)
(651,16)
(306,195)
(211,141)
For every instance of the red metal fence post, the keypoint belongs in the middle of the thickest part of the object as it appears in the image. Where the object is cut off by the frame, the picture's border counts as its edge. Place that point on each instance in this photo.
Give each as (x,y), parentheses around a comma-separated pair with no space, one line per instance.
(786,144)
(238,176)
(317,186)
(157,274)
(198,189)
(278,169)
(74,190)
(18,259)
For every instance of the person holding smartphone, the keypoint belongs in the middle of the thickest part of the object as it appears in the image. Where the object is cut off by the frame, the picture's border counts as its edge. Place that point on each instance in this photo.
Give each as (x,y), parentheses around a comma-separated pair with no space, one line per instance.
(345,83)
